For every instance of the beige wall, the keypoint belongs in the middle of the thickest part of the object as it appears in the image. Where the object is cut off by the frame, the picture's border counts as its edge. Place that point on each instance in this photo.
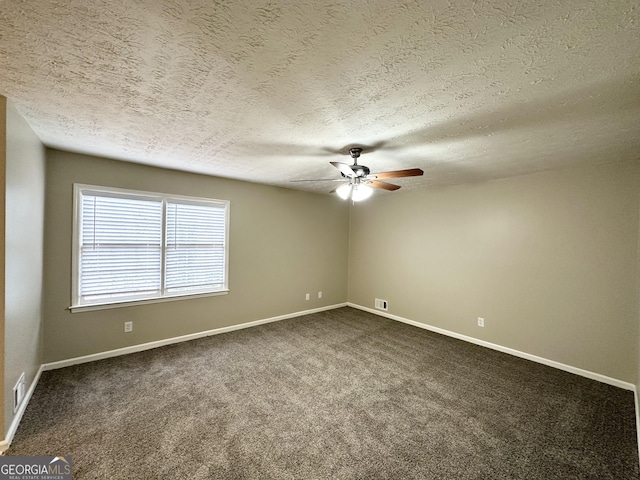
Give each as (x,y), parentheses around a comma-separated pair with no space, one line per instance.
(3,169)
(25,174)
(283,244)
(637,382)
(549,260)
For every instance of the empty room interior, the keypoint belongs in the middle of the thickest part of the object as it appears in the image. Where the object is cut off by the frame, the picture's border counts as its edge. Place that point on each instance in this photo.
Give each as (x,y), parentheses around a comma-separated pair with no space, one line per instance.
(318,239)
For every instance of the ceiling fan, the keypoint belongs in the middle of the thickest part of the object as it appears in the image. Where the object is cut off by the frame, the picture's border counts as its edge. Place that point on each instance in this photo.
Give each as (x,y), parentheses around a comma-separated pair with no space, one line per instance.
(360,179)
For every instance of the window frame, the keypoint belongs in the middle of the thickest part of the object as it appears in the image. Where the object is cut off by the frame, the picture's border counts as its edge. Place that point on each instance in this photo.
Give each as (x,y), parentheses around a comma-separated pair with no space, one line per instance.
(79,190)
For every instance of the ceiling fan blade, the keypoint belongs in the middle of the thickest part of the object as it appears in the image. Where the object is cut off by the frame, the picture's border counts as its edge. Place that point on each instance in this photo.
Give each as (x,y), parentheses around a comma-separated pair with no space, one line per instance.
(384,185)
(411,172)
(344,169)
(320,180)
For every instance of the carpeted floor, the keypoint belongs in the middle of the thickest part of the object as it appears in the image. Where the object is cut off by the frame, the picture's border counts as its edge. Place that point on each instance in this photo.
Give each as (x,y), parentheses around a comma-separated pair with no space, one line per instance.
(341,394)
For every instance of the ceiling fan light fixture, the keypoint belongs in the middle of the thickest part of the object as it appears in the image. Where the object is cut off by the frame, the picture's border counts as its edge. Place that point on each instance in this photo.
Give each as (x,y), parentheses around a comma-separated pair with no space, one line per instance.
(344,191)
(361,192)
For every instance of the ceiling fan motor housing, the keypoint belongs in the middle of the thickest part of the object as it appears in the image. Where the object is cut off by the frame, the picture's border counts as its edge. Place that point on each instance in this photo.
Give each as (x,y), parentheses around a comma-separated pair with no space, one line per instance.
(359,170)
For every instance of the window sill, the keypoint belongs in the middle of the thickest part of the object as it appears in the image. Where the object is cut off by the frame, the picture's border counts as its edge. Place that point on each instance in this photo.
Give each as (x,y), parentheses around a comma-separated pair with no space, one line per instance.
(133,303)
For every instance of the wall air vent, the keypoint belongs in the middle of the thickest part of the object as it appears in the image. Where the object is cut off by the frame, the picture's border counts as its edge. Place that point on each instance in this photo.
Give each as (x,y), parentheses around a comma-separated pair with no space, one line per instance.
(18,393)
(381,304)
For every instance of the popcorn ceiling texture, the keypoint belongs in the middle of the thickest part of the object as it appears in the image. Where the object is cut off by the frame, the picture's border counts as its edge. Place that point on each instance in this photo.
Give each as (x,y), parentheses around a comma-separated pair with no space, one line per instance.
(271,91)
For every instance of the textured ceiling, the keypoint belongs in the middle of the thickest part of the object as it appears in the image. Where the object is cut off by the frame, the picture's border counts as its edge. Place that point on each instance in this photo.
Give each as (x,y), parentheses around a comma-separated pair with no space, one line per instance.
(271,91)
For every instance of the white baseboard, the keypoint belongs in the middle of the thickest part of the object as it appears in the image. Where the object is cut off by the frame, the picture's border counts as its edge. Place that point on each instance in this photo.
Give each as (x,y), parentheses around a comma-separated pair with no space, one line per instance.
(6,443)
(184,338)
(534,358)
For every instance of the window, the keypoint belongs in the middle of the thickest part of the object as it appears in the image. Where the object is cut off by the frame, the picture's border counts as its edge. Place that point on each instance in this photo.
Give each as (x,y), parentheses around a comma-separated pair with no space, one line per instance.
(132,246)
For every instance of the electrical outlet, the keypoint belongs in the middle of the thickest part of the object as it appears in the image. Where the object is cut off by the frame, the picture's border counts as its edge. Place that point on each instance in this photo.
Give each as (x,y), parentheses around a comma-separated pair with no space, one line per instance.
(128,327)
(319,294)
(480,322)
(307,296)
(381,304)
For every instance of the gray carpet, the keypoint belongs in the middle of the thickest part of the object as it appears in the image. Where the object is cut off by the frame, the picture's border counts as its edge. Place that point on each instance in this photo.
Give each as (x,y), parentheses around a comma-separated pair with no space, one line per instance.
(341,394)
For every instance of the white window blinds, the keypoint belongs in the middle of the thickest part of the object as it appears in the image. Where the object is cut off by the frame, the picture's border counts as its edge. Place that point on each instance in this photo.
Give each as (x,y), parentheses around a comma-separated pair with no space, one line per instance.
(133,246)
(120,248)
(195,247)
